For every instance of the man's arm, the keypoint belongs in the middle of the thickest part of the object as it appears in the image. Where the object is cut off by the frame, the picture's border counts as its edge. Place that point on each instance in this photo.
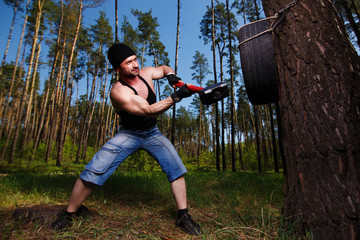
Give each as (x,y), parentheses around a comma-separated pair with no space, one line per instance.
(124,99)
(161,72)
(156,73)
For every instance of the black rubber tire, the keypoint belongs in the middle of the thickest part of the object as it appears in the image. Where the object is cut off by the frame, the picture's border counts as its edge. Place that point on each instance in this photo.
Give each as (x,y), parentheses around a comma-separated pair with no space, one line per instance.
(258,64)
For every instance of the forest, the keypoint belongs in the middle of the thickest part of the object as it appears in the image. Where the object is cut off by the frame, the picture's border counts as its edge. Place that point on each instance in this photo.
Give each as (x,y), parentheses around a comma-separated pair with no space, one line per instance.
(58,125)
(46,122)
(41,126)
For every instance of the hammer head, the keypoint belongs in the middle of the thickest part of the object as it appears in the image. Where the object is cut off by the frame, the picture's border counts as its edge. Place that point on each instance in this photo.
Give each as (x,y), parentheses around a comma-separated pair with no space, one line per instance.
(214,93)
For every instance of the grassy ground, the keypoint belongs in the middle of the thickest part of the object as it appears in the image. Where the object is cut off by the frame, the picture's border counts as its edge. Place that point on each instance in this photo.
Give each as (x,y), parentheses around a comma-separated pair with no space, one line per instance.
(136,205)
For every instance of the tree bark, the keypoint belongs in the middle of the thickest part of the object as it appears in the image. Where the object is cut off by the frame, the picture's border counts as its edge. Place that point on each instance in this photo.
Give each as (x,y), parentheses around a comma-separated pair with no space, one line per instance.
(319,98)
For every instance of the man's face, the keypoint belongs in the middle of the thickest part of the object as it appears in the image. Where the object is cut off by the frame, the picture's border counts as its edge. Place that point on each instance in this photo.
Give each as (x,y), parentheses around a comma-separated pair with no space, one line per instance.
(129,67)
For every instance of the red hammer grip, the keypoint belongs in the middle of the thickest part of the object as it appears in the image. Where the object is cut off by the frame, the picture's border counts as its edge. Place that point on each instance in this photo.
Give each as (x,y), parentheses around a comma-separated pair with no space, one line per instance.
(190,87)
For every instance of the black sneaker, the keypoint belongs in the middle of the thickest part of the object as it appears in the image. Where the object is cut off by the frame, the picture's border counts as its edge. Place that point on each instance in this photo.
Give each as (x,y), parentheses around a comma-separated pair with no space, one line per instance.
(65,219)
(188,225)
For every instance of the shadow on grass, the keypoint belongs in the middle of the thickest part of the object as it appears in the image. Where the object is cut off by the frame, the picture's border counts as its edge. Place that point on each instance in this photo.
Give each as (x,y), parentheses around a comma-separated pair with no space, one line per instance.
(131,187)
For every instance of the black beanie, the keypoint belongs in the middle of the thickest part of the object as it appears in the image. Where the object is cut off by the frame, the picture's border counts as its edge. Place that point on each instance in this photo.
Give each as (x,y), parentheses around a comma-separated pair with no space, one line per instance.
(118,53)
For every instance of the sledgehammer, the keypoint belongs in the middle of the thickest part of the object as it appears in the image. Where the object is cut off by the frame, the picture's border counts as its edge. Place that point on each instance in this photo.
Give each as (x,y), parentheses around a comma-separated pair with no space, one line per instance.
(211,94)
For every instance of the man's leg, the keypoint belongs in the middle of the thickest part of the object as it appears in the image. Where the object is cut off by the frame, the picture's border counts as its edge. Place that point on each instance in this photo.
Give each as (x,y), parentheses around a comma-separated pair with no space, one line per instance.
(184,221)
(166,155)
(80,192)
(178,188)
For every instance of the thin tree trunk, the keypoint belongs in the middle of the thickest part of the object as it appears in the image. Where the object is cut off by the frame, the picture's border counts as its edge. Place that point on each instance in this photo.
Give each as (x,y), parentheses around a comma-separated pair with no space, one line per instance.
(56,98)
(239,141)
(31,97)
(9,37)
(233,158)
(101,129)
(263,138)
(223,155)
(176,67)
(7,108)
(64,114)
(273,138)
(24,95)
(280,137)
(217,130)
(88,115)
(257,138)
(116,22)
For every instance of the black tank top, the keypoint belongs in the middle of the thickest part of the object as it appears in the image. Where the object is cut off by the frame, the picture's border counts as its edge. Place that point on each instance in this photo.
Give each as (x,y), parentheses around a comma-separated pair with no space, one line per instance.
(133,122)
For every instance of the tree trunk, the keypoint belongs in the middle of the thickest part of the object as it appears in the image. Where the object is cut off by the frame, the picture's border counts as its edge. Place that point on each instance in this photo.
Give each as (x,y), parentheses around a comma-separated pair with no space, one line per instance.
(89,114)
(319,97)
(7,108)
(273,140)
(48,87)
(261,128)
(257,138)
(199,133)
(176,66)
(9,38)
(239,141)
(24,96)
(232,90)
(280,138)
(116,22)
(63,116)
(56,98)
(32,94)
(223,155)
(217,130)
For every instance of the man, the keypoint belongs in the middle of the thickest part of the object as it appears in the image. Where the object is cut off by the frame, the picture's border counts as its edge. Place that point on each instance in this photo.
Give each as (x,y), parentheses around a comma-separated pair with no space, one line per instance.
(134,100)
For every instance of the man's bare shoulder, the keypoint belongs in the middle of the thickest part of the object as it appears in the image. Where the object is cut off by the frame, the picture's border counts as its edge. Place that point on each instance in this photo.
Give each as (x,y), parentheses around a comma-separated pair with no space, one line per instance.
(119,91)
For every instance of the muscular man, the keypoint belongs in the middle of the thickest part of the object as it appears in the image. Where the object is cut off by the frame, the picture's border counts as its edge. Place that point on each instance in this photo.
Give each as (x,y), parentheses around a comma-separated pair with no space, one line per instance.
(134,100)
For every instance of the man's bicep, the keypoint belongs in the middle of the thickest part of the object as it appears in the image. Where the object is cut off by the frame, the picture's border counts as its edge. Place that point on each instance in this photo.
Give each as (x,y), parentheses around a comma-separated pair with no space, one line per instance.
(135,105)
(158,73)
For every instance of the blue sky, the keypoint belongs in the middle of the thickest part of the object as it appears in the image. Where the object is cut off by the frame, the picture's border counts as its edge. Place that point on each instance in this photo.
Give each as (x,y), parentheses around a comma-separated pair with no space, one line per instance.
(166,13)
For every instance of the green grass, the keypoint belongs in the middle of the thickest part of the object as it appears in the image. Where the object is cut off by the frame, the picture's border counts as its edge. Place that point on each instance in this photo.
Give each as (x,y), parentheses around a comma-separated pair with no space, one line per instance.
(139,205)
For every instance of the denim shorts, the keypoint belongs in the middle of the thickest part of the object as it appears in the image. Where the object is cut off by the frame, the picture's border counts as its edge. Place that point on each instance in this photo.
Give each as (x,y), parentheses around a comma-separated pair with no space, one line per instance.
(123,144)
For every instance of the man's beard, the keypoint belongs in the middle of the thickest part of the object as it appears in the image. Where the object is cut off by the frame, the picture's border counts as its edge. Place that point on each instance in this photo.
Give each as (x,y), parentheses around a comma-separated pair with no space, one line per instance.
(133,74)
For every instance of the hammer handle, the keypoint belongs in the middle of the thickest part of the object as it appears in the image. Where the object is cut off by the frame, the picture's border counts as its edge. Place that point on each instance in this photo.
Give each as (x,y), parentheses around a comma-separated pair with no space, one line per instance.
(190,87)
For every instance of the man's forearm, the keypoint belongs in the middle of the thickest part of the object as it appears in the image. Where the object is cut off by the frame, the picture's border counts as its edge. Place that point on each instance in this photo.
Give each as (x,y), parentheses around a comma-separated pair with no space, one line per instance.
(159,107)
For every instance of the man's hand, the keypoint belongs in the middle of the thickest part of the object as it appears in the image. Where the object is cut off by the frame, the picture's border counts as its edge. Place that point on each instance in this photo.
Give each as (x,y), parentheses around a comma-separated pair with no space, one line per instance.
(172,79)
(183,92)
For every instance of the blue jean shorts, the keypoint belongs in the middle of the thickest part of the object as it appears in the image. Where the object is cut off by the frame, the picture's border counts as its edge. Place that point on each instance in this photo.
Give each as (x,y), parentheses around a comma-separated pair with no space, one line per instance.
(123,144)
